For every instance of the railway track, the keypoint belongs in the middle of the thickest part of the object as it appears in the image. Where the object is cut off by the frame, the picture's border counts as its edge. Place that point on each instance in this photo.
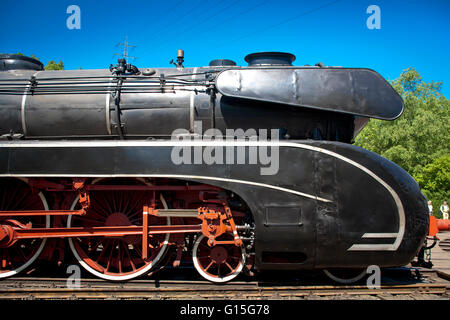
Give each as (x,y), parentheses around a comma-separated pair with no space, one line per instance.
(445,244)
(433,284)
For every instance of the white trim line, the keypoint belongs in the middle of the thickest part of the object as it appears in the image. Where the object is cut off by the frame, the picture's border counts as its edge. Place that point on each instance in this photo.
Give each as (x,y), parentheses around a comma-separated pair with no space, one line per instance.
(379,235)
(22,106)
(192,104)
(175,176)
(107,110)
(372,247)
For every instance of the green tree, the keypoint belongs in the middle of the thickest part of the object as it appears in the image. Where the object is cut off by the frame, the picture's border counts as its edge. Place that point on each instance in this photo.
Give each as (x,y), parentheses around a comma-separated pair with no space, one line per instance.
(418,140)
(435,179)
(52,65)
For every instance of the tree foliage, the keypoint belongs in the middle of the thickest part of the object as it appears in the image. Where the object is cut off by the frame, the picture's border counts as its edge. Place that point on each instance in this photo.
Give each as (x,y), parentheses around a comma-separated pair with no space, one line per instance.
(52,65)
(418,141)
(435,179)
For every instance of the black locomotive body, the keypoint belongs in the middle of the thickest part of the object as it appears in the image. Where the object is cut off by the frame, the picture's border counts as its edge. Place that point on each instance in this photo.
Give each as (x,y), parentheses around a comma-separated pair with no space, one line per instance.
(321,203)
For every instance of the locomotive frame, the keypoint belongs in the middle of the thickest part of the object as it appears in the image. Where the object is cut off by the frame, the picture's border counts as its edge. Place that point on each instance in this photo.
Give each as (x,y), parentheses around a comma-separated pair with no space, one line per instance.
(122,203)
(274,209)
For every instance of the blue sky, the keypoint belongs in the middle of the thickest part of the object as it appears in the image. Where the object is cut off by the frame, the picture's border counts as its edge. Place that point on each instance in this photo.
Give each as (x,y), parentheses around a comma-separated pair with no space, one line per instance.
(413,33)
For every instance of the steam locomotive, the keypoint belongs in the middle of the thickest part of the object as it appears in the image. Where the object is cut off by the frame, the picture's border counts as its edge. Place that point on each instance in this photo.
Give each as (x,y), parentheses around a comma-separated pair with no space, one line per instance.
(234,169)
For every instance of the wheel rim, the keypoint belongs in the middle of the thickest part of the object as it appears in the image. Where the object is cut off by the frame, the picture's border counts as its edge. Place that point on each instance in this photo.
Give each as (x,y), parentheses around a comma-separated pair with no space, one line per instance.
(16,194)
(220,263)
(117,258)
(347,279)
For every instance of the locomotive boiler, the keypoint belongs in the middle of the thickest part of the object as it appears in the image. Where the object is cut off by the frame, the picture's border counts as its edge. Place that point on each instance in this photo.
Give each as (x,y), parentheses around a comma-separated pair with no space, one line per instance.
(234,169)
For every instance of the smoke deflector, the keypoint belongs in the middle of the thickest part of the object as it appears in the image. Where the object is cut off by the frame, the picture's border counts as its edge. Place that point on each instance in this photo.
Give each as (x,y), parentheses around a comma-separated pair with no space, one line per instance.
(357,91)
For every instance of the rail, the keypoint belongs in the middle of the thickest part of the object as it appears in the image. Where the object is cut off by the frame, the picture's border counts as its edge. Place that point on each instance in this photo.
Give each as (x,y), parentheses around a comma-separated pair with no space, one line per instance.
(56,288)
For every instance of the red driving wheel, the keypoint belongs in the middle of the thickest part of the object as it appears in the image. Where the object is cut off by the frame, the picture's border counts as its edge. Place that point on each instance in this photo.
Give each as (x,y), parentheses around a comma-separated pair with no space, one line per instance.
(118,258)
(16,194)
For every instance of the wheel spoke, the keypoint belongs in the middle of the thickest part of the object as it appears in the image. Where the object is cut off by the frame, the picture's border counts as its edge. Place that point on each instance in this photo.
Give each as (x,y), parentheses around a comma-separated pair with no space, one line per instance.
(228,265)
(127,251)
(90,221)
(218,270)
(209,265)
(127,206)
(94,212)
(100,210)
(110,255)
(119,256)
(22,253)
(102,203)
(133,215)
(95,246)
(14,203)
(120,201)
(103,252)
